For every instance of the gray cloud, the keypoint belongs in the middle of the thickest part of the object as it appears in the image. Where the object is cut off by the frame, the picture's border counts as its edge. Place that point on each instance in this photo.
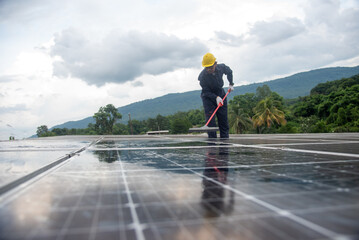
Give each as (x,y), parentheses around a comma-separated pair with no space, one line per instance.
(6,78)
(122,57)
(137,84)
(228,39)
(327,34)
(340,26)
(16,108)
(322,12)
(267,32)
(24,10)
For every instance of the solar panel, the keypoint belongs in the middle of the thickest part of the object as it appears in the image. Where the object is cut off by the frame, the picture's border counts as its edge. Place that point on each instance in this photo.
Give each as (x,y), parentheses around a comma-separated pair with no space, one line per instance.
(302,186)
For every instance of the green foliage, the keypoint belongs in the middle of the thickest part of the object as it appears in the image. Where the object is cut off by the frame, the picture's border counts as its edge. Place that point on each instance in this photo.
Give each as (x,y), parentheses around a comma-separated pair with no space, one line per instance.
(334,104)
(331,107)
(239,122)
(180,125)
(341,117)
(105,119)
(43,131)
(306,124)
(158,123)
(290,127)
(138,127)
(289,87)
(196,117)
(307,106)
(279,100)
(59,131)
(320,127)
(263,92)
(243,104)
(267,112)
(120,129)
(332,86)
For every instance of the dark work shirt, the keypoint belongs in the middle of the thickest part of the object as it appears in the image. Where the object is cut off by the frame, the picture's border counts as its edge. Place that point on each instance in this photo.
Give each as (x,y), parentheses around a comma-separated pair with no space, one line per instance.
(212,83)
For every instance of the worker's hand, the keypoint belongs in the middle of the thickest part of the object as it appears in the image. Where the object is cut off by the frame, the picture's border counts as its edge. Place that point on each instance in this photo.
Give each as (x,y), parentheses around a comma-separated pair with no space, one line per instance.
(230,88)
(219,101)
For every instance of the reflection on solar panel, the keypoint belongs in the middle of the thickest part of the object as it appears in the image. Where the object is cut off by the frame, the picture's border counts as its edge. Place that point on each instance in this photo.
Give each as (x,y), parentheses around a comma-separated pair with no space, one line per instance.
(182,187)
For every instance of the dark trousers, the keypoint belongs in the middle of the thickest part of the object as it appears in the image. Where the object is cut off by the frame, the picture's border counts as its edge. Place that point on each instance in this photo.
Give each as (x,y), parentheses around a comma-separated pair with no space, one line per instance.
(222,117)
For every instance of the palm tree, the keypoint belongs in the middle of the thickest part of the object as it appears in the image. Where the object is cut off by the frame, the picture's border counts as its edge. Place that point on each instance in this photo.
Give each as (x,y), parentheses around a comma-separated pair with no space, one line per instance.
(266,112)
(239,121)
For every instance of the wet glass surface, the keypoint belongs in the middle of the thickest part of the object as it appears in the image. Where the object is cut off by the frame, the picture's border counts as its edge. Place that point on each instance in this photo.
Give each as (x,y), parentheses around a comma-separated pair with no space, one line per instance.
(347,147)
(154,143)
(19,158)
(14,165)
(121,189)
(49,144)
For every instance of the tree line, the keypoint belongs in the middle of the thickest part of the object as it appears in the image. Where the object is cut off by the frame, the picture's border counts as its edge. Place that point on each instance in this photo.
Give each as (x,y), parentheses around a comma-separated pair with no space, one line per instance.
(330,107)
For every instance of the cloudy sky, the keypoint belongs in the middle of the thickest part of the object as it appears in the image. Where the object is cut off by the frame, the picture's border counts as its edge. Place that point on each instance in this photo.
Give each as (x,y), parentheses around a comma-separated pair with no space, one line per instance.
(62,60)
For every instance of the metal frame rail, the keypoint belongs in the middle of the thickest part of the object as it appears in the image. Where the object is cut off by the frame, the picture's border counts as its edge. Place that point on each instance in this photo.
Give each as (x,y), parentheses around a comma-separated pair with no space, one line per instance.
(43,169)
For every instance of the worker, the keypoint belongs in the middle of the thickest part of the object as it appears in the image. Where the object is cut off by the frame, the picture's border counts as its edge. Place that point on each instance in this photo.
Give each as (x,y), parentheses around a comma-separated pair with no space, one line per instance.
(211,81)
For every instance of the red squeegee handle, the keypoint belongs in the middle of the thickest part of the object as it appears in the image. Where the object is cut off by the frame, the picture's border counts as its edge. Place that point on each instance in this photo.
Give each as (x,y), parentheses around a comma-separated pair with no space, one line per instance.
(219,105)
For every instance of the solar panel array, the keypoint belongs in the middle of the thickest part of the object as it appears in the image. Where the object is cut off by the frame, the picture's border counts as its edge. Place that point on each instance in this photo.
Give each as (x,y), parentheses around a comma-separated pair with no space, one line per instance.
(186,187)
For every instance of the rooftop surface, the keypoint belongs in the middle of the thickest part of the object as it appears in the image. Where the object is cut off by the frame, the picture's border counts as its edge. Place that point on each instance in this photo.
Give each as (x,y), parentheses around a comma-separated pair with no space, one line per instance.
(302,186)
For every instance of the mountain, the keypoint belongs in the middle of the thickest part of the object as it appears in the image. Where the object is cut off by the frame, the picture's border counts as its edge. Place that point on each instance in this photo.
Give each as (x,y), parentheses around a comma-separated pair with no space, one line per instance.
(293,86)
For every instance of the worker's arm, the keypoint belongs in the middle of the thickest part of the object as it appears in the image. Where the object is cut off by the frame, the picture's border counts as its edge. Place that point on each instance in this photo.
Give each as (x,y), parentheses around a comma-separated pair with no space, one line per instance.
(228,71)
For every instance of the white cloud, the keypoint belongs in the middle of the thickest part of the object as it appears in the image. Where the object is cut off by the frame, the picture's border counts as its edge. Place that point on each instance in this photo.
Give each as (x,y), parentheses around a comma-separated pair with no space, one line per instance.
(15,108)
(276,46)
(270,32)
(122,57)
(62,60)
(181,80)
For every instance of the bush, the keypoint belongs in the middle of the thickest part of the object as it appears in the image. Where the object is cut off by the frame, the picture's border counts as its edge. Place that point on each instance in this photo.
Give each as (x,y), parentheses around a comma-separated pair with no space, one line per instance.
(180,125)
(290,127)
(320,127)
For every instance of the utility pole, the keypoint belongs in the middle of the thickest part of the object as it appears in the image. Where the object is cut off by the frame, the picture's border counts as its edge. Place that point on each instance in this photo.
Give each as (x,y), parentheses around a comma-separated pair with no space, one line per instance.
(130,122)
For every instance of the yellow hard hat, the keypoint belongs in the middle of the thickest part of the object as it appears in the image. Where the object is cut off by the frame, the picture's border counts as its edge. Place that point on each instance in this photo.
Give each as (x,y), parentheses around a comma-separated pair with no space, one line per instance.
(208,60)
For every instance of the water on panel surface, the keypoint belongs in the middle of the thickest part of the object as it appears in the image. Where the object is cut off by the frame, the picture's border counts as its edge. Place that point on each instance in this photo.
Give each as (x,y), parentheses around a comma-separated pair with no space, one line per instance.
(189,188)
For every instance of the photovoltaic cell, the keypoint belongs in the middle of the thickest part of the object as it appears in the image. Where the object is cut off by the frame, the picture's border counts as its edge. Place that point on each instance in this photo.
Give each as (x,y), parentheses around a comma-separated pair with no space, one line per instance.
(186,187)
